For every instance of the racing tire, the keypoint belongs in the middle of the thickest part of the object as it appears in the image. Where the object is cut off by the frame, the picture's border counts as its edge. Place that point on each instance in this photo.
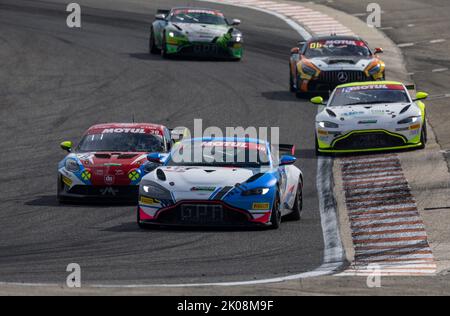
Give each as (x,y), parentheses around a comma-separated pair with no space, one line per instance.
(275,217)
(154,50)
(296,214)
(292,87)
(59,197)
(424,136)
(164,48)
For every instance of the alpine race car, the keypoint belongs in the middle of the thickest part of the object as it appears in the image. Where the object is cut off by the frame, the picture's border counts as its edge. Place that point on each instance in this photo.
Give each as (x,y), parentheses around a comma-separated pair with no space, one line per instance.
(221,182)
(322,63)
(110,161)
(370,116)
(195,32)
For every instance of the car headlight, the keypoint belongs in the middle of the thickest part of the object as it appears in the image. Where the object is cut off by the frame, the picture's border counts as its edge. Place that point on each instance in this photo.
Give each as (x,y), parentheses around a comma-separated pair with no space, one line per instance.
(72,165)
(409,120)
(173,34)
(152,189)
(326,124)
(308,70)
(257,191)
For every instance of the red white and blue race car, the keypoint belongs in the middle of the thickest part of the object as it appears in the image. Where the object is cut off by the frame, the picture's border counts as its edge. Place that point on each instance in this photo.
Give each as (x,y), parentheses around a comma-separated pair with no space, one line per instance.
(110,161)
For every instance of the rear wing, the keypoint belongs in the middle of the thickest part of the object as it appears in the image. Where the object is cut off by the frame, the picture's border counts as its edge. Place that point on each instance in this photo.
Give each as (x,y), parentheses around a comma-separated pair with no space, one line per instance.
(284,149)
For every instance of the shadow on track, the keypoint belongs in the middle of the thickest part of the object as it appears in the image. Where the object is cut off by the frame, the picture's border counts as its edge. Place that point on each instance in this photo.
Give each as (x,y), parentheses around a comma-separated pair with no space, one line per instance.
(52,201)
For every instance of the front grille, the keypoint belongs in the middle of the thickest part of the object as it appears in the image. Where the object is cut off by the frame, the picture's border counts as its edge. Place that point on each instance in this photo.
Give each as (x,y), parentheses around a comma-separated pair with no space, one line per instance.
(205,50)
(104,191)
(202,214)
(342,77)
(368,141)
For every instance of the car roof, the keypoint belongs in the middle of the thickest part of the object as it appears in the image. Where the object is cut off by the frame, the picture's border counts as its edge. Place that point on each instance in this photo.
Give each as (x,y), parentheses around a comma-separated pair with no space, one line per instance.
(336,37)
(370,83)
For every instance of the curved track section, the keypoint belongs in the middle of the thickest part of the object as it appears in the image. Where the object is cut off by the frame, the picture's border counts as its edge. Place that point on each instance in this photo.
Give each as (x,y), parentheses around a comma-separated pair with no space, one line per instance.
(55,82)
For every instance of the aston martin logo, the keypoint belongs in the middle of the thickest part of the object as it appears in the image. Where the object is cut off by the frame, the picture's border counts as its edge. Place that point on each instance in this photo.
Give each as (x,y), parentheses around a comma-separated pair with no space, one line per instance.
(109,191)
(342,77)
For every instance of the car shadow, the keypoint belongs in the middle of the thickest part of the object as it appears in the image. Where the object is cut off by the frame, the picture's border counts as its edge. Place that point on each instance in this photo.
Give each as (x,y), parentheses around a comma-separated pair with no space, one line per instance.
(147,56)
(280,96)
(133,227)
(52,201)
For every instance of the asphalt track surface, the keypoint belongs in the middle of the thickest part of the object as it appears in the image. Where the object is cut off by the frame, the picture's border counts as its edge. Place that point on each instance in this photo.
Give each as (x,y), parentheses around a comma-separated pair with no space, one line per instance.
(55,82)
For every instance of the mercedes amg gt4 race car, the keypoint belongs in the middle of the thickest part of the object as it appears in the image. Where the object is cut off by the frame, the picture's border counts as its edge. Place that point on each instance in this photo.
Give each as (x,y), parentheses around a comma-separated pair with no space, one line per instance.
(110,161)
(372,116)
(234,182)
(195,32)
(322,63)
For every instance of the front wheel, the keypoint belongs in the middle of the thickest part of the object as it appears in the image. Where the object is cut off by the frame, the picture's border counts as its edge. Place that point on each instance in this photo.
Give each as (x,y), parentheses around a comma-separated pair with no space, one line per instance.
(164,53)
(298,206)
(275,218)
(424,136)
(154,50)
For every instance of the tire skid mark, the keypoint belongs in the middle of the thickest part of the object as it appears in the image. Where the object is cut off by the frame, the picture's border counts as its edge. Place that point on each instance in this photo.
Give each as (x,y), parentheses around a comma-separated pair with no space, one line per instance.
(387,229)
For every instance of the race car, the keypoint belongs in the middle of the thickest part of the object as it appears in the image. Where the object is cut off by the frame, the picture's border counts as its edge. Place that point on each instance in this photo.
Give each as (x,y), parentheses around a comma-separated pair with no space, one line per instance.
(370,116)
(110,161)
(221,182)
(322,63)
(195,32)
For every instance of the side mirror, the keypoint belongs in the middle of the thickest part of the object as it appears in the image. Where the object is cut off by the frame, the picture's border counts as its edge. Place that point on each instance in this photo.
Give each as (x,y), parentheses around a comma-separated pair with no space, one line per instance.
(67,146)
(287,160)
(155,158)
(317,101)
(421,96)
(160,17)
(235,22)
(379,50)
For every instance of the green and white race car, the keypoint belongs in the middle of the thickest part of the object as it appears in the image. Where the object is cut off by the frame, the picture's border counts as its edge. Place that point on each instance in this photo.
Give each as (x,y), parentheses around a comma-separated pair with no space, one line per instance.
(195,32)
(370,116)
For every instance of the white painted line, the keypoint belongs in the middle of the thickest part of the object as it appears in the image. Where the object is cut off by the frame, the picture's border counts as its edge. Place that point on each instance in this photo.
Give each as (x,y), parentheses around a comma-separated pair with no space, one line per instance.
(406,45)
(437,41)
(439,70)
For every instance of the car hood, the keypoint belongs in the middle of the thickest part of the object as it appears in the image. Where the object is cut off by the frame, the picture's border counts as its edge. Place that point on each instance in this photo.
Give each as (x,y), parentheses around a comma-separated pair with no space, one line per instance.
(370,114)
(199,183)
(342,63)
(201,32)
(111,168)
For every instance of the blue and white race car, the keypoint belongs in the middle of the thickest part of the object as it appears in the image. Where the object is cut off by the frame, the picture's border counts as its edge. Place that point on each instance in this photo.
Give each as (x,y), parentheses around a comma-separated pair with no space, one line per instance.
(221,182)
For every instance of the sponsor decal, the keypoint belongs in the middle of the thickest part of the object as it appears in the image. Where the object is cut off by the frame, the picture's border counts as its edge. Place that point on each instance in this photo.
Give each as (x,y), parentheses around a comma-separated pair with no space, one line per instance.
(208,189)
(109,179)
(134,175)
(149,201)
(334,43)
(373,87)
(261,206)
(197,11)
(86,175)
(354,113)
(67,181)
(244,145)
(124,131)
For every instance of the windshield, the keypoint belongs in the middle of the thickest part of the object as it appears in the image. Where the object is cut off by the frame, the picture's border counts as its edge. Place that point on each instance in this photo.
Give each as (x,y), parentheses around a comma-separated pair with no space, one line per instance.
(371,94)
(198,16)
(341,48)
(121,142)
(220,154)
